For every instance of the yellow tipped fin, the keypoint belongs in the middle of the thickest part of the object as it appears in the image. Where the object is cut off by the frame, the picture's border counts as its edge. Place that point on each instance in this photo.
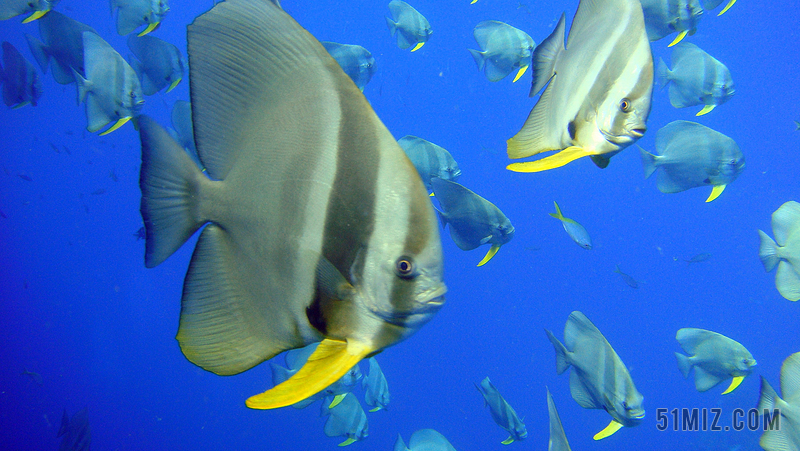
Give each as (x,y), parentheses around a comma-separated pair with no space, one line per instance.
(122,121)
(330,361)
(612,427)
(39,14)
(553,161)
(678,38)
(431,194)
(347,442)
(492,250)
(734,383)
(715,192)
(375,409)
(508,441)
(520,72)
(418,46)
(149,28)
(727,7)
(706,109)
(174,84)
(473,2)
(336,400)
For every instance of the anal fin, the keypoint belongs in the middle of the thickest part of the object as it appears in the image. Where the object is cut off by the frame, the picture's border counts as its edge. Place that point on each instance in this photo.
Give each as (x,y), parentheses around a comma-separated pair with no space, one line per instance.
(553,161)
(609,430)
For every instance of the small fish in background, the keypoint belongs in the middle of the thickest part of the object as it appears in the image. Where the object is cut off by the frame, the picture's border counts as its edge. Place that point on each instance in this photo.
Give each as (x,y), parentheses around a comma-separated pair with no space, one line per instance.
(159,64)
(784,251)
(599,379)
(13,8)
(708,5)
(296,358)
(787,436)
(502,412)
(575,231)
(21,83)
(98,192)
(25,177)
(630,281)
(714,357)
(503,50)
(558,440)
(430,160)
(140,234)
(75,432)
(664,17)
(113,176)
(183,131)
(136,13)
(409,26)
(62,40)
(424,440)
(356,61)
(692,155)
(696,78)
(376,389)
(473,220)
(111,89)
(699,258)
(36,377)
(346,419)
(598,90)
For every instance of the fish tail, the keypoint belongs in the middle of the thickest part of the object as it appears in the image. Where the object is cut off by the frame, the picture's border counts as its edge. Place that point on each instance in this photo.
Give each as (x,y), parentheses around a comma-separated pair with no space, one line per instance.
(768,252)
(170,184)
(479,59)
(39,52)
(392,26)
(562,361)
(662,74)
(545,56)
(557,214)
(683,364)
(279,373)
(648,162)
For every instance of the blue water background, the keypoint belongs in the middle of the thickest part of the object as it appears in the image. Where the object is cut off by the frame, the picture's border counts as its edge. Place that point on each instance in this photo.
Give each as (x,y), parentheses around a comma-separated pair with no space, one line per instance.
(78,306)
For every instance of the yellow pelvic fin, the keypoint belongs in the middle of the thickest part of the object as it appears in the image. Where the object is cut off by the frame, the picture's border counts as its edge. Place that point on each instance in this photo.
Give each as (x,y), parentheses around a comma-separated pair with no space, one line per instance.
(678,38)
(19,105)
(149,28)
(508,441)
(727,7)
(553,161)
(330,361)
(418,46)
(336,400)
(375,409)
(706,109)
(431,194)
(734,383)
(174,84)
(39,14)
(715,192)
(521,71)
(473,2)
(492,250)
(120,122)
(347,442)
(612,427)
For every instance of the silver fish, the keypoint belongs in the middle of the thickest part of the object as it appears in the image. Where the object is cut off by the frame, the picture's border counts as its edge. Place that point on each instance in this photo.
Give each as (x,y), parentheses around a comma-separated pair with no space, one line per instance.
(159,63)
(558,440)
(714,358)
(318,226)
(135,13)
(784,251)
(575,231)
(356,61)
(598,88)
(504,49)
(502,412)
(785,434)
(21,83)
(62,39)
(409,26)
(599,379)
(376,389)
(430,160)
(697,78)
(664,17)
(424,440)
(693,155)
(14,8)
(346,419)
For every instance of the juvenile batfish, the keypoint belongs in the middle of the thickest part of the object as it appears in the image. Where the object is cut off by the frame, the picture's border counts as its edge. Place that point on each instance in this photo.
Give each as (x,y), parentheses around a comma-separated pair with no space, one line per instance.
(409,26)
(356,61)
(784,251)
(575,231)
(424,440)
(504,49)
(431,160)
(598,88)
(664,17)
(14,8)
(714,358)
(346,419)
(787,436)
(708,5)
(159,64)
(135,13)
(376,389)
(317,226)
(502,412)
(62,39)
(697,78)
(558,440)
(21,83)
(599,379)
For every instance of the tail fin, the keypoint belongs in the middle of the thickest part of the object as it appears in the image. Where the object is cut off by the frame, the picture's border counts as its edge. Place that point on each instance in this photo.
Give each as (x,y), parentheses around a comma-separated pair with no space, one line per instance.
(39,53)
(648,162)
(662,74)
(479,59)
(683,364)
(545,56)
(562,362)
(557,214)
(392,26)
(767,252)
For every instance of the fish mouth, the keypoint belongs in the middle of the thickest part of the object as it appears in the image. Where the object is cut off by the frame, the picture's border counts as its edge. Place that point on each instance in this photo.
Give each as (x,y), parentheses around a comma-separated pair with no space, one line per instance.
(638,132)
(638,415)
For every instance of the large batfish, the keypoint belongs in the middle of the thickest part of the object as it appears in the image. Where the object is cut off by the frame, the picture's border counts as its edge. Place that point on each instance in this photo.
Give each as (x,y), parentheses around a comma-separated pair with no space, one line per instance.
(696,78)
(714,358)
(317,226)
(784,433)
(784,251)
(502,413)
(504,49)
(14,8)
(599,379)
(62,40)
(558,440)
(598,96)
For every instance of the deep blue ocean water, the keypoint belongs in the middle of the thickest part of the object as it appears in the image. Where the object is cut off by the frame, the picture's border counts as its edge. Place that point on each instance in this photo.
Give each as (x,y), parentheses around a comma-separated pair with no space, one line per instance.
(78,306)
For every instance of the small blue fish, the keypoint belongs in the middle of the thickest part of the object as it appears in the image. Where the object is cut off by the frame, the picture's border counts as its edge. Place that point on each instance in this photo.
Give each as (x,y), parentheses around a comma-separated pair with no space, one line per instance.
(430,160)
(159,64)
(424,440)
(502,412)
(21,83)
(376,389)
(625,277)
(409,26)
(699,258)
(575,231)
(356,61)
(135,13)
(347,419)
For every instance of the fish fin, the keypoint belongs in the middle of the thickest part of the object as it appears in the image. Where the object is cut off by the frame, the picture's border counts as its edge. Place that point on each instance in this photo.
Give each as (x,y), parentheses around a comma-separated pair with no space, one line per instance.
(796,124)
(36,15)
(473,2)
(648,162)
(62,73)
(64,424)
(562,358)
(492,250)
(39,52)
(418,46)
(727,7)
(734,383)
(128,20)
(715,192)
(784,221)
(790,376)
(767,252)
(703,380)
(347,442)
(787,281)
(279,373)
(662,74)
(495,73)
(149,87)
(581,393)
(557,214)
(331,283)
(767,396)
(532,138)
(174,84)
(150,27)
(508,441)
(557,160)
(336,400)
(82,85)
(690,338)
(392,25)
(375,409)
(678,38)
(120,122)
(684,364)
(520,73)
(331,360)
(545,55)
(96,117)
(612,427)
(399,445)
(706,109)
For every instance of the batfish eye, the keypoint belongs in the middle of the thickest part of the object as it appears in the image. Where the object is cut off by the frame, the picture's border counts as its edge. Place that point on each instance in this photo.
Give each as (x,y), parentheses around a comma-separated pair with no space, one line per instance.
(625,105)
(404,267)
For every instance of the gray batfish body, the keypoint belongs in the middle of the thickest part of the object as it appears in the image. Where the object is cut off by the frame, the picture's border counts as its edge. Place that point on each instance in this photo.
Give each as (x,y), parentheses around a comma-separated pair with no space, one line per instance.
(376,389)
(664,17)
(558,440)
(14,8)
(504,49)
(409,27)
(430,160)
(787,436)
(784,251)
(346,419)
(21,83)
(136,13)
(502,412)
(62,39)
(696,78)
(356,61)
(424,440)
(160,63)
(714,358)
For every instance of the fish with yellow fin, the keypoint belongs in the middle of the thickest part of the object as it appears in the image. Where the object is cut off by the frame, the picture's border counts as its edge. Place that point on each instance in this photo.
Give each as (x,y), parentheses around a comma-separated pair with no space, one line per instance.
(37,8)
(408,26)
(504,49)
(133,14)
(714,358)
(317,226)
(665,17)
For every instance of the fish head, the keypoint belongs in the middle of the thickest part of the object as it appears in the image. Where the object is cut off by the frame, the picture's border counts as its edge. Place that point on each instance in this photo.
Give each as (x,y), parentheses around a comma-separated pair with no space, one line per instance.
(621,116)
(367,65)
(351,377)
(502,232)
(723,88)
(159,9)
(449,171)
(626,407)
(131,98)
(729,166)
(688,16)
(743,364)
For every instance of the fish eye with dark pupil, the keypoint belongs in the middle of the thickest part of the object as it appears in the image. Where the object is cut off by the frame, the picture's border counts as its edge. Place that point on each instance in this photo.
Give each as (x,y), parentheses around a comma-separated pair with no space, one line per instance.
(625,105)
(404,268)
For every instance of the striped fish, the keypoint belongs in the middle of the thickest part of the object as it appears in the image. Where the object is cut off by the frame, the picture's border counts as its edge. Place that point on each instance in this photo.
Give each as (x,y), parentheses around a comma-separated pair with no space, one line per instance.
(409,27)
(599,379)
(598,96)
(558,440)
(696,78)
(504,49)
(664,17)
(317,226)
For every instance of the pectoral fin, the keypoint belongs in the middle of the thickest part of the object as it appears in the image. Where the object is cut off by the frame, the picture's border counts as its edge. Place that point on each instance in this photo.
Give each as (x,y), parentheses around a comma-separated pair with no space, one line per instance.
(678,38)
(330,361)
(347,442)
(706,109)
(553,161)
(612,427)
(492,250)
(375,409)
(520,72)
(508,441)
(117,125)
(715,192)
(149,28)
(727,7)
(418,46)
(39,14)
(734,383)
(336,400)
(174,84)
